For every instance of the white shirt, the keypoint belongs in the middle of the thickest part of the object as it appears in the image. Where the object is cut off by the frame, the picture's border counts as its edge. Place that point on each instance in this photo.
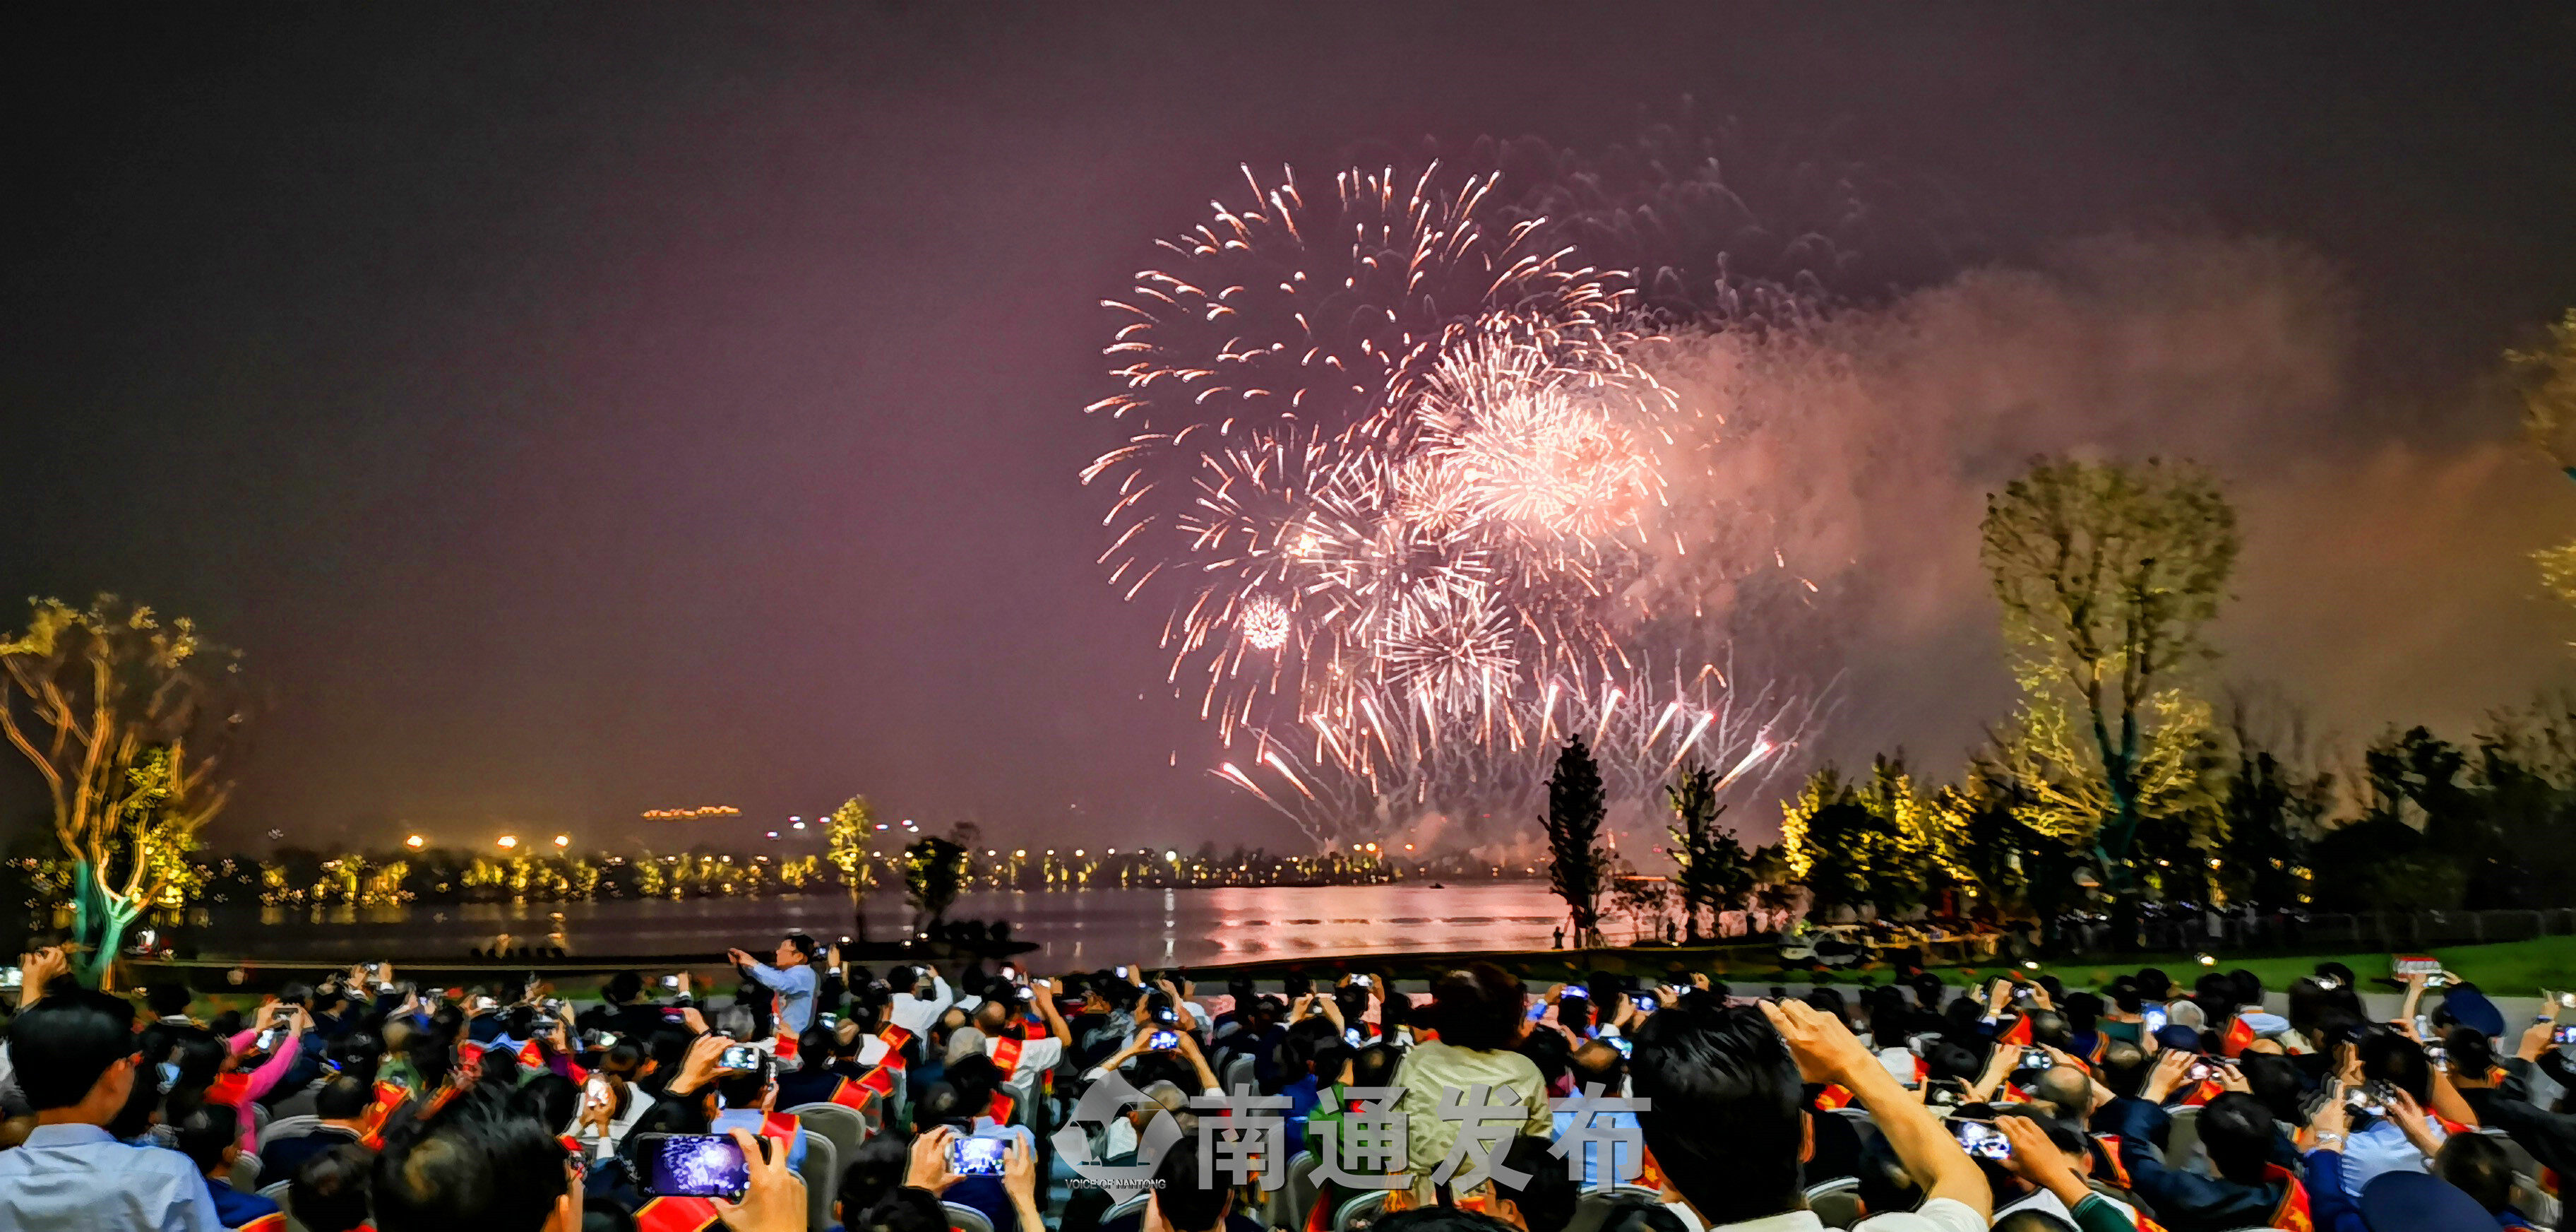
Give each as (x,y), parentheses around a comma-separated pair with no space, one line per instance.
(916,1014)
(1035,1055)
(1937,1215)
(2042,1200)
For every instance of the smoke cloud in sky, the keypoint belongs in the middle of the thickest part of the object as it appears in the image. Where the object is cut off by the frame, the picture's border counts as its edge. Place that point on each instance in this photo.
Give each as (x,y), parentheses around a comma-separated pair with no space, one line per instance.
(2384,580)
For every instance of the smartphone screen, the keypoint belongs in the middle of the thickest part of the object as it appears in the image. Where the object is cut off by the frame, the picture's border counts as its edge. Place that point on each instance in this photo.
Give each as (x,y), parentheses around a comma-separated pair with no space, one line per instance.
(2155,1016)
(1352,1037)
(1620,1042)
(1163,1041)
(1360,980)
(670,981)
(1645,1002)
(2035,1058)
(977,1156)
(1537,1010)
(739,1056)
(1982,1141)
(1122,973)
(2564,1035)
(693,1166)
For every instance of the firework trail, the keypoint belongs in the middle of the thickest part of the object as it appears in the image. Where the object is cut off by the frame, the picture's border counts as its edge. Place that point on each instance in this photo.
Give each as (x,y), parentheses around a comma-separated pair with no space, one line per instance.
(1399,469)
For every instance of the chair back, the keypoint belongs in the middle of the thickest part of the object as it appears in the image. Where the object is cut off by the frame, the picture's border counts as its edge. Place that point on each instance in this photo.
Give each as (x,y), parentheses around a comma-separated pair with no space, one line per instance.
(245,1174)
(821,1173)
(963,1218)
(843,1126)
(1296,1193)
(1836,1203)
(284,1128)
(1360,1212)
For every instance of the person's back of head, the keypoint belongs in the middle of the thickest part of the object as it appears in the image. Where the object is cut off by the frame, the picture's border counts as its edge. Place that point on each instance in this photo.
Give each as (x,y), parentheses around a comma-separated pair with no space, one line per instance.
(206,1136)
(2472,1054)
(472,1165)
(1189,1203)
(2479,1166)
(1726,1117)
(2124,1067)
(328,1192)
(748,1089)
(2277,1082)
(1374,1066)
(2051,1028)
(1829,1000)
(360,1054)
(550,1099)
(1442,1219)
(875,1170)
(70,1043)
(1478,1008)
(1546,1203)
(1947,1062)
(2239,1133)
(168,1000)
(975,1077)
(1549,1051)
(815,1047)
(2067,1089)
(344,1098)
(2083,1011)
(2123,993)
(623,988)
(1640,1215)
(2389,1057)
(903,1209)
(2031,1219)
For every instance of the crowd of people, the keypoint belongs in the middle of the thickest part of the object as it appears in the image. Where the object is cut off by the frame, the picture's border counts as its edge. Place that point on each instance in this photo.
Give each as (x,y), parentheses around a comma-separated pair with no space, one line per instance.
(816,1094)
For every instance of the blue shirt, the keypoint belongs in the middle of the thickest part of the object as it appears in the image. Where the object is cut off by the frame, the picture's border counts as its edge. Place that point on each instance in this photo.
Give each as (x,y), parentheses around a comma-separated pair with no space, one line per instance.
(750,1121)
(795,989)
(2379,1149)
(74,1178)
(234,1208)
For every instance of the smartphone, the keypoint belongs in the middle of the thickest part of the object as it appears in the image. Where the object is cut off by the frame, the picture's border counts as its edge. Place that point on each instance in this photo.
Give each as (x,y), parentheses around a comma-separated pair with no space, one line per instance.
(1360,980)
(1122,973)
(13,977)
(2036,1058)
(1981,1141)
(373,968)
(743,1057)
(396,1081)
(2200,1071)
(828,1021)
(1352,1037)
(2155,1018)
(1577,992)
(1163,1041)
(2416,964)
(1624,1045)
(541,1024)
(596,1097)
(2439,1056)
(483,1004)
(675,1014)
(1027,993)
(671,982)
(269,1039)
(1010,972)
(2563,1035)
(599,1041)
(694,1166)
(1645,1002)
(977,1156)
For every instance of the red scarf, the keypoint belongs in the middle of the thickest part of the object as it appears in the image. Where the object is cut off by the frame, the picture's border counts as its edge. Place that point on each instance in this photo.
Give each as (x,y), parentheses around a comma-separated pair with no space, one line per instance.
(1834,1096)
(274,1221)
(895,1038)
(1006,1053)
(2016,1035)
(676,1215)
(2292,1214)
(2239,1034)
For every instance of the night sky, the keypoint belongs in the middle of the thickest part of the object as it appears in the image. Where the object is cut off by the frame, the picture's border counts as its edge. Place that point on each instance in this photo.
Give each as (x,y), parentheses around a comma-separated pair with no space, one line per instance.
(574,410)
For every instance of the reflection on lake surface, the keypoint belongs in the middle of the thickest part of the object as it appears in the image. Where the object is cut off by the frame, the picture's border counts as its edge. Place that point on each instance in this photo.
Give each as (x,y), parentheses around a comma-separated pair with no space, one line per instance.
(1083,929)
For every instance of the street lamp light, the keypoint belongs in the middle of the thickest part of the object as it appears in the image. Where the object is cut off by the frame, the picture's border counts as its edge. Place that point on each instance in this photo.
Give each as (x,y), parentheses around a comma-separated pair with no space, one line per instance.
(562,841)
(415,842)
(509,841)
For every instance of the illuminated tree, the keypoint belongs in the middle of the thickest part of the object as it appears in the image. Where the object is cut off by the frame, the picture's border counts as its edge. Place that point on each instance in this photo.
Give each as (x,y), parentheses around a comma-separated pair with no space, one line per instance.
(1880,841)
(2546,378)
(1578,869)
(1710,866)
(129,723)
(2107,575)
(848,831)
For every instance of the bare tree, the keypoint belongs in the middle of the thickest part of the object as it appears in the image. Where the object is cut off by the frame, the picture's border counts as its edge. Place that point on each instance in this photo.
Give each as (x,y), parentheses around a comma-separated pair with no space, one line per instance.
(130,723)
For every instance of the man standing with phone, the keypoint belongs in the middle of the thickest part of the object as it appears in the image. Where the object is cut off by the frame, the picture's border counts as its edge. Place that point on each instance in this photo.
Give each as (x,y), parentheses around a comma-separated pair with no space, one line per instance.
(792,979)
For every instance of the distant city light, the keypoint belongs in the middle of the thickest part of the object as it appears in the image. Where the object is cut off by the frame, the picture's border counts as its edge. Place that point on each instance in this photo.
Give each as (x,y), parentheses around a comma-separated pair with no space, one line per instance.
(415,842)
(509,840)
(773,834)
(800,825)
(563,840)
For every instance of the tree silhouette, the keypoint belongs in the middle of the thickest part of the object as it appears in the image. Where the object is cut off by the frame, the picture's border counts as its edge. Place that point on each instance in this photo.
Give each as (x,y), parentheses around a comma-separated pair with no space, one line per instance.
(1578,869)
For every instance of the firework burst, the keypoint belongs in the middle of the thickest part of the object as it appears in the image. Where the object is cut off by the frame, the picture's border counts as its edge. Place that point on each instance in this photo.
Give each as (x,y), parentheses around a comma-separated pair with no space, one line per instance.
(1395,467)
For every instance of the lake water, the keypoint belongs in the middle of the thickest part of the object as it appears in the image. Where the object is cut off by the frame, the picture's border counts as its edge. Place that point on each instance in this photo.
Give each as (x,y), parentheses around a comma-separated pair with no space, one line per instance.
(1084,929)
